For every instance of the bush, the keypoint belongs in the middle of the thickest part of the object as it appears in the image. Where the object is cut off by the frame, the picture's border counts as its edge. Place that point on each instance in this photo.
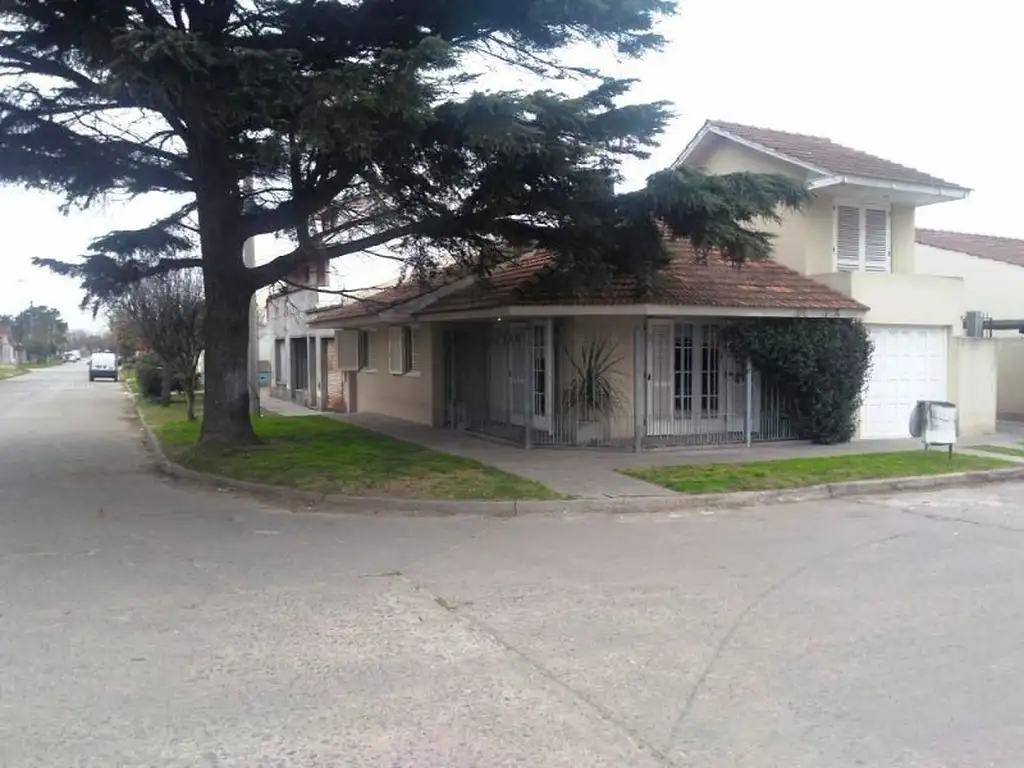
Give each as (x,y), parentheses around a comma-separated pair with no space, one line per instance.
(149,372)
(819,365)
(149,375)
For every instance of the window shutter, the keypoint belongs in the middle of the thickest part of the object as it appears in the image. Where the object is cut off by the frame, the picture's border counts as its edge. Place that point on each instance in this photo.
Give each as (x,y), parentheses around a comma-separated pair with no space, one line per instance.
(876,241)
(348,350)
(847,238)
(371,350)
(395,356)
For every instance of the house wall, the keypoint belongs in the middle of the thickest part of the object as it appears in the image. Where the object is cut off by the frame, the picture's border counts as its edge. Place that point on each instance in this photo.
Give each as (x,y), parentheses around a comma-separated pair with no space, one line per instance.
(973,384)
(621,333)
(1010,378)
(408,396)
(804,240)
(797,234)
(990,286)
(899,299)
(336,395)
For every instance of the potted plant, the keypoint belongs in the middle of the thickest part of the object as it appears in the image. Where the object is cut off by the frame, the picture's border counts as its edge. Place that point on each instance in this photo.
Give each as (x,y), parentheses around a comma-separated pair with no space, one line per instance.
(592,396)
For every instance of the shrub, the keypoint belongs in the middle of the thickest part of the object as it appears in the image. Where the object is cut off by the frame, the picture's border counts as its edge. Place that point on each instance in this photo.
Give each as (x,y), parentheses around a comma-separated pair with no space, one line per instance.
(819,365)
(149,375)
(149,372)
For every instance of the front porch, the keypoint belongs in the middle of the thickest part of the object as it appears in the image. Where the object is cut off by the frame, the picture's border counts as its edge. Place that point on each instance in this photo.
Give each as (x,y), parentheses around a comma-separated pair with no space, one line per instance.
(621,382)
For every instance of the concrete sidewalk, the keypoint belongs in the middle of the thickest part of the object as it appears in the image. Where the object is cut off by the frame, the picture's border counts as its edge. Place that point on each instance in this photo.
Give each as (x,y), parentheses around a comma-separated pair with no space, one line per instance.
(591,473)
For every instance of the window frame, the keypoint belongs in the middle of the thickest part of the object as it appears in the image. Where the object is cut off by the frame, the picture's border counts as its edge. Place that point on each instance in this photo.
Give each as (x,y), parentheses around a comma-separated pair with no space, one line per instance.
(366,357)
(862,208)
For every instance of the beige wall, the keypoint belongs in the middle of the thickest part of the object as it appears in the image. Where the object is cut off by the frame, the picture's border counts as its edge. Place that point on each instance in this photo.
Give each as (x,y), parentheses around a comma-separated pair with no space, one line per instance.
(1010,381)
(793,238)
(972,384)
(989,286)
(621,332)
(408,396)
(898,299)
(804,240)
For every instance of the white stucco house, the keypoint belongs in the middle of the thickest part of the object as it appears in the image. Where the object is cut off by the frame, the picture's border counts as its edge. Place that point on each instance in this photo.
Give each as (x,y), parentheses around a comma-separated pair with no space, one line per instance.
(992,271)
(297,357)
(503,356)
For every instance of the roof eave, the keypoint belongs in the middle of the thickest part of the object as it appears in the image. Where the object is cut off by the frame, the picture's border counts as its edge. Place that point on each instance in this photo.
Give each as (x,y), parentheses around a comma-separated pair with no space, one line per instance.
(927,193)
(527,311)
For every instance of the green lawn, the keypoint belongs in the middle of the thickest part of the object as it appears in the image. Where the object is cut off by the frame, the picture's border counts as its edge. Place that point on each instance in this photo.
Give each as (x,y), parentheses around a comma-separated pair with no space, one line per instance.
(315,453)
(10,371)
(1004,449)
(798,473)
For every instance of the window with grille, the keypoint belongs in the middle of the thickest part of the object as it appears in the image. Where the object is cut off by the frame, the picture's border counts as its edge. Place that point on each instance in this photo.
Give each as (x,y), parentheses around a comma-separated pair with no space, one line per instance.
(862,242)
(710,359)
(683,370)
(540,370)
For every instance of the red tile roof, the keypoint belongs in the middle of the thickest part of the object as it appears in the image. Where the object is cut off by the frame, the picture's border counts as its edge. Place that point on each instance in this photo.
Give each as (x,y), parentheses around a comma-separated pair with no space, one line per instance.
(686,282)
(826,155)
(379,301)
(1005,249)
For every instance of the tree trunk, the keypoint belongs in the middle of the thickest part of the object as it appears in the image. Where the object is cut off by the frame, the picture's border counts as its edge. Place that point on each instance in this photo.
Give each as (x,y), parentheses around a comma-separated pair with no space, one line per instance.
(226,371)
(190,403)
(228,288)
(167,377)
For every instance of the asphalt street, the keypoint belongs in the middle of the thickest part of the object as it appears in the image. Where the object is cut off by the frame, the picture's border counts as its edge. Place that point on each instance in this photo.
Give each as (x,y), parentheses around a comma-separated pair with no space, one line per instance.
(150,622)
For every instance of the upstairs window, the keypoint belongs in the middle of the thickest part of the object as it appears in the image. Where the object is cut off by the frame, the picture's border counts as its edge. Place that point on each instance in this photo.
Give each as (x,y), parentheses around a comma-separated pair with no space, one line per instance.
(862,239)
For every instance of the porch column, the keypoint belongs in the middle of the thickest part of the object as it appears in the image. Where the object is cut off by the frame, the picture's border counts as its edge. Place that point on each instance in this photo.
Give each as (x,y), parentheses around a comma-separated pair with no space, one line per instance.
(321,367)
(639,386)
(527,353)
(312,348)
(748,416)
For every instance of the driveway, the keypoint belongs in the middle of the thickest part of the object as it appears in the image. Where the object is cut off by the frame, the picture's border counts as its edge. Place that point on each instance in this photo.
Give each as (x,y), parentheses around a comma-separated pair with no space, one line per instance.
(145,622)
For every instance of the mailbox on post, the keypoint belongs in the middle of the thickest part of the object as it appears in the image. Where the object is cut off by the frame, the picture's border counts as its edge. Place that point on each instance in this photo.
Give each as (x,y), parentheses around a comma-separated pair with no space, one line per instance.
(935,422)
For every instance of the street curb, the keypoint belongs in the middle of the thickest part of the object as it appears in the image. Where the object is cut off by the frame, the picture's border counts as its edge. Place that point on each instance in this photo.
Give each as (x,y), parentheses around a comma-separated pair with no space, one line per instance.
(617,506)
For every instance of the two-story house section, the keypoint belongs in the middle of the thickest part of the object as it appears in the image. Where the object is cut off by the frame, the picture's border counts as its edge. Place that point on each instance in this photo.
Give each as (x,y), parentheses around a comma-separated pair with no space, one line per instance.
(857,237)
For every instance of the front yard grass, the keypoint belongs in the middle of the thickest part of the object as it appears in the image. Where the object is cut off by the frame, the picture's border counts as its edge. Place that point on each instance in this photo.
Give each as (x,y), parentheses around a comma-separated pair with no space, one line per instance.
(1003,449)
(800,473)
(316,453)
(10,371)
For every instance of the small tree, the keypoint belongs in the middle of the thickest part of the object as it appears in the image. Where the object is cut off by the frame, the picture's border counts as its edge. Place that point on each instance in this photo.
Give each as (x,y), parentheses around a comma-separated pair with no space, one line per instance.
(168,312)
(41,331)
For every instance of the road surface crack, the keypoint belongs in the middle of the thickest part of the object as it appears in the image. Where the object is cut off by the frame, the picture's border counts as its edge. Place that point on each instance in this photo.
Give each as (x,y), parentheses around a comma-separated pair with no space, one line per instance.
(741,618)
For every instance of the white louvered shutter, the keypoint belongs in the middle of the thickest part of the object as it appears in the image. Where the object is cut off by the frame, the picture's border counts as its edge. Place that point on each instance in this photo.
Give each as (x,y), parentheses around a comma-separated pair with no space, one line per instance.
(847,238)
(877,253)
(396,359)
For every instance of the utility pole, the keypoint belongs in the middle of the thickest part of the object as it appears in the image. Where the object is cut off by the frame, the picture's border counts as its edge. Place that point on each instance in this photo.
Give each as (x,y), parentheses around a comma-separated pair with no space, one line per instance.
(249,259)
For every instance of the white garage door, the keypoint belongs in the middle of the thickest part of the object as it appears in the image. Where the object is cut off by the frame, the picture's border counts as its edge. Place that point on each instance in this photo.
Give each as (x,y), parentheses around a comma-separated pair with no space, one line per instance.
(908,364)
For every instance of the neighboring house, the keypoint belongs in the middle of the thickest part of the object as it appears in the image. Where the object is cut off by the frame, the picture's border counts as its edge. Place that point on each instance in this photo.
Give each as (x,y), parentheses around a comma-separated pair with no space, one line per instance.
(297,353)
(518,350)
(992,271)
(10,352)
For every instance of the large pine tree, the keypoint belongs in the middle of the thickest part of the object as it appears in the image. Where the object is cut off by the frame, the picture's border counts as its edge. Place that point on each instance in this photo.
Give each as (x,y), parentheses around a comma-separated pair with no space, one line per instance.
(259,114)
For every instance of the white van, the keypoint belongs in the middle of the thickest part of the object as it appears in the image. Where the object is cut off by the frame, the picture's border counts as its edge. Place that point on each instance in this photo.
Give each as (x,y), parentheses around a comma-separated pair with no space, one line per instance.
(103,365)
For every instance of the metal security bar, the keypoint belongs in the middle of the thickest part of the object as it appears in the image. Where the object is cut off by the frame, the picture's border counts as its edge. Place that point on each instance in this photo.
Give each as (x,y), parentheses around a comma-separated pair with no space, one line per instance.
(619,383)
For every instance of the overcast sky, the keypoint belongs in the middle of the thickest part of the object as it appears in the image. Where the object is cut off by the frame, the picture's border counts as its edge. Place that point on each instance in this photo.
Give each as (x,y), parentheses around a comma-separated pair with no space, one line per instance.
(920,83)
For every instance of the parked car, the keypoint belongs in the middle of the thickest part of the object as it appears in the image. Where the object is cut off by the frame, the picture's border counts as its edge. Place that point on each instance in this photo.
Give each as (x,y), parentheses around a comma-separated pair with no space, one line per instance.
(103,365)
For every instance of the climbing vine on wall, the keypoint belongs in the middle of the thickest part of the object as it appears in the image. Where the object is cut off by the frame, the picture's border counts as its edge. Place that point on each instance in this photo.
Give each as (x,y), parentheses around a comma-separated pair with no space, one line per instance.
(819,365)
